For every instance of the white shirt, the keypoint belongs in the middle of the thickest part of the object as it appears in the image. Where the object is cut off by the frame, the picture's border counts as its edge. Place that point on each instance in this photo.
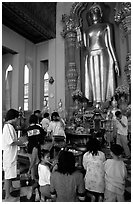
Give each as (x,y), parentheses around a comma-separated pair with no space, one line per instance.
(120,129)
(9,151)
(94,177)
(56,128)
(44,175)
(45,123)
(115,174)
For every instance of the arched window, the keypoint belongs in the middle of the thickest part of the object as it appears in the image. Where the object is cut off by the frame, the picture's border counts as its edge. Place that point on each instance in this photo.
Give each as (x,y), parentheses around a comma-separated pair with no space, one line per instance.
(9,69)
(8,87)
(46,89)
(26,88)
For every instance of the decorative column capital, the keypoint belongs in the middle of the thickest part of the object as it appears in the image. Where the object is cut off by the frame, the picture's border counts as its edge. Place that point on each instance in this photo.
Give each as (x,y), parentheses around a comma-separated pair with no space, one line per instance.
(70,25)
(73,22)
(123,16)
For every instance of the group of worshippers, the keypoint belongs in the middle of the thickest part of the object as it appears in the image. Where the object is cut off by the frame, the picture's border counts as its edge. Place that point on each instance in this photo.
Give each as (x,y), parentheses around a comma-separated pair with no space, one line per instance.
(102,179)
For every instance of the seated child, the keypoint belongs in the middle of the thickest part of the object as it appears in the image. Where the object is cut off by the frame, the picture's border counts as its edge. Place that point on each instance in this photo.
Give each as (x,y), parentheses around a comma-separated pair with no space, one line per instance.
(115,175)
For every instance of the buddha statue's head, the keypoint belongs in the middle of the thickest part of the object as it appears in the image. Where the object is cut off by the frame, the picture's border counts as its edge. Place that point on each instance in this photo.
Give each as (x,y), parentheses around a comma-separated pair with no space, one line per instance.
(94,14)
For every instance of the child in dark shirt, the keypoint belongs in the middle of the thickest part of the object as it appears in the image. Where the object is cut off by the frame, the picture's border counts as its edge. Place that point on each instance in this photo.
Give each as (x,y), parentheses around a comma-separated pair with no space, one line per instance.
(36,136)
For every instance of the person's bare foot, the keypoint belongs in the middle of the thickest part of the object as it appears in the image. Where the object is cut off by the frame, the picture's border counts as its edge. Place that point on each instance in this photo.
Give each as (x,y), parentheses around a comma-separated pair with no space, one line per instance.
(100,199)
(10,199)
(93,199)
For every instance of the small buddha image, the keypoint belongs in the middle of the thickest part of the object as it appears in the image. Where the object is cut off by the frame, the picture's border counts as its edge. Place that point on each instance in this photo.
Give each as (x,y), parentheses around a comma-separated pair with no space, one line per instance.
(60,109)
(114,105)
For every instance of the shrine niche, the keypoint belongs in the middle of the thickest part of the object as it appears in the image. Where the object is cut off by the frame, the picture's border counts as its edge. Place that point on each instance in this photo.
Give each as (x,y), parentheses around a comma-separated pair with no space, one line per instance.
(99,88)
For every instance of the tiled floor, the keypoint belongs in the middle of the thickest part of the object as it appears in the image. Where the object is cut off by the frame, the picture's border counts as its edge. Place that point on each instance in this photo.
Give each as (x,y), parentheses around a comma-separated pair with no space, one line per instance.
(24,186)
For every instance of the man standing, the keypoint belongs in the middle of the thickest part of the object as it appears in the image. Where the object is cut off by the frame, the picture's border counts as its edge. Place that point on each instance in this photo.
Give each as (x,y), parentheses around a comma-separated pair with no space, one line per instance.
(122,131)
(10,143)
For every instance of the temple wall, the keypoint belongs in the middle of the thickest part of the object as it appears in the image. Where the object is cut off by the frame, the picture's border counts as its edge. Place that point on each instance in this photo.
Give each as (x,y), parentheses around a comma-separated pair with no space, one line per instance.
(16,43)
(53,51)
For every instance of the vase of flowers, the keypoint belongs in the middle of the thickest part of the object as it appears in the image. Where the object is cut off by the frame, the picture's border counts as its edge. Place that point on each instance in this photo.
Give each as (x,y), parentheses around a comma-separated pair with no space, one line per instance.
(122,91)
(77,95)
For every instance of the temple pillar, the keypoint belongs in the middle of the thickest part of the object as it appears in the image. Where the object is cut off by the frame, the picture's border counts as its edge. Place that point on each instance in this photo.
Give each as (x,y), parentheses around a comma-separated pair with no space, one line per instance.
(70,35)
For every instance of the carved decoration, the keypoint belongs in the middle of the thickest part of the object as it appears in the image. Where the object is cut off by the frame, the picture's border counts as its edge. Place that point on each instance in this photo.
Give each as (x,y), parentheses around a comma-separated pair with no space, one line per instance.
(70,35)
(77,9)
(128,68)
(70,24)
(71,31)
(123,17)
(51,80)
(72,76)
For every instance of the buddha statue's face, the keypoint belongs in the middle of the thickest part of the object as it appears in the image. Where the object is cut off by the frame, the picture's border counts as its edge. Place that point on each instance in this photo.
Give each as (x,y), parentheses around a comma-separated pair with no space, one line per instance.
(95,14)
